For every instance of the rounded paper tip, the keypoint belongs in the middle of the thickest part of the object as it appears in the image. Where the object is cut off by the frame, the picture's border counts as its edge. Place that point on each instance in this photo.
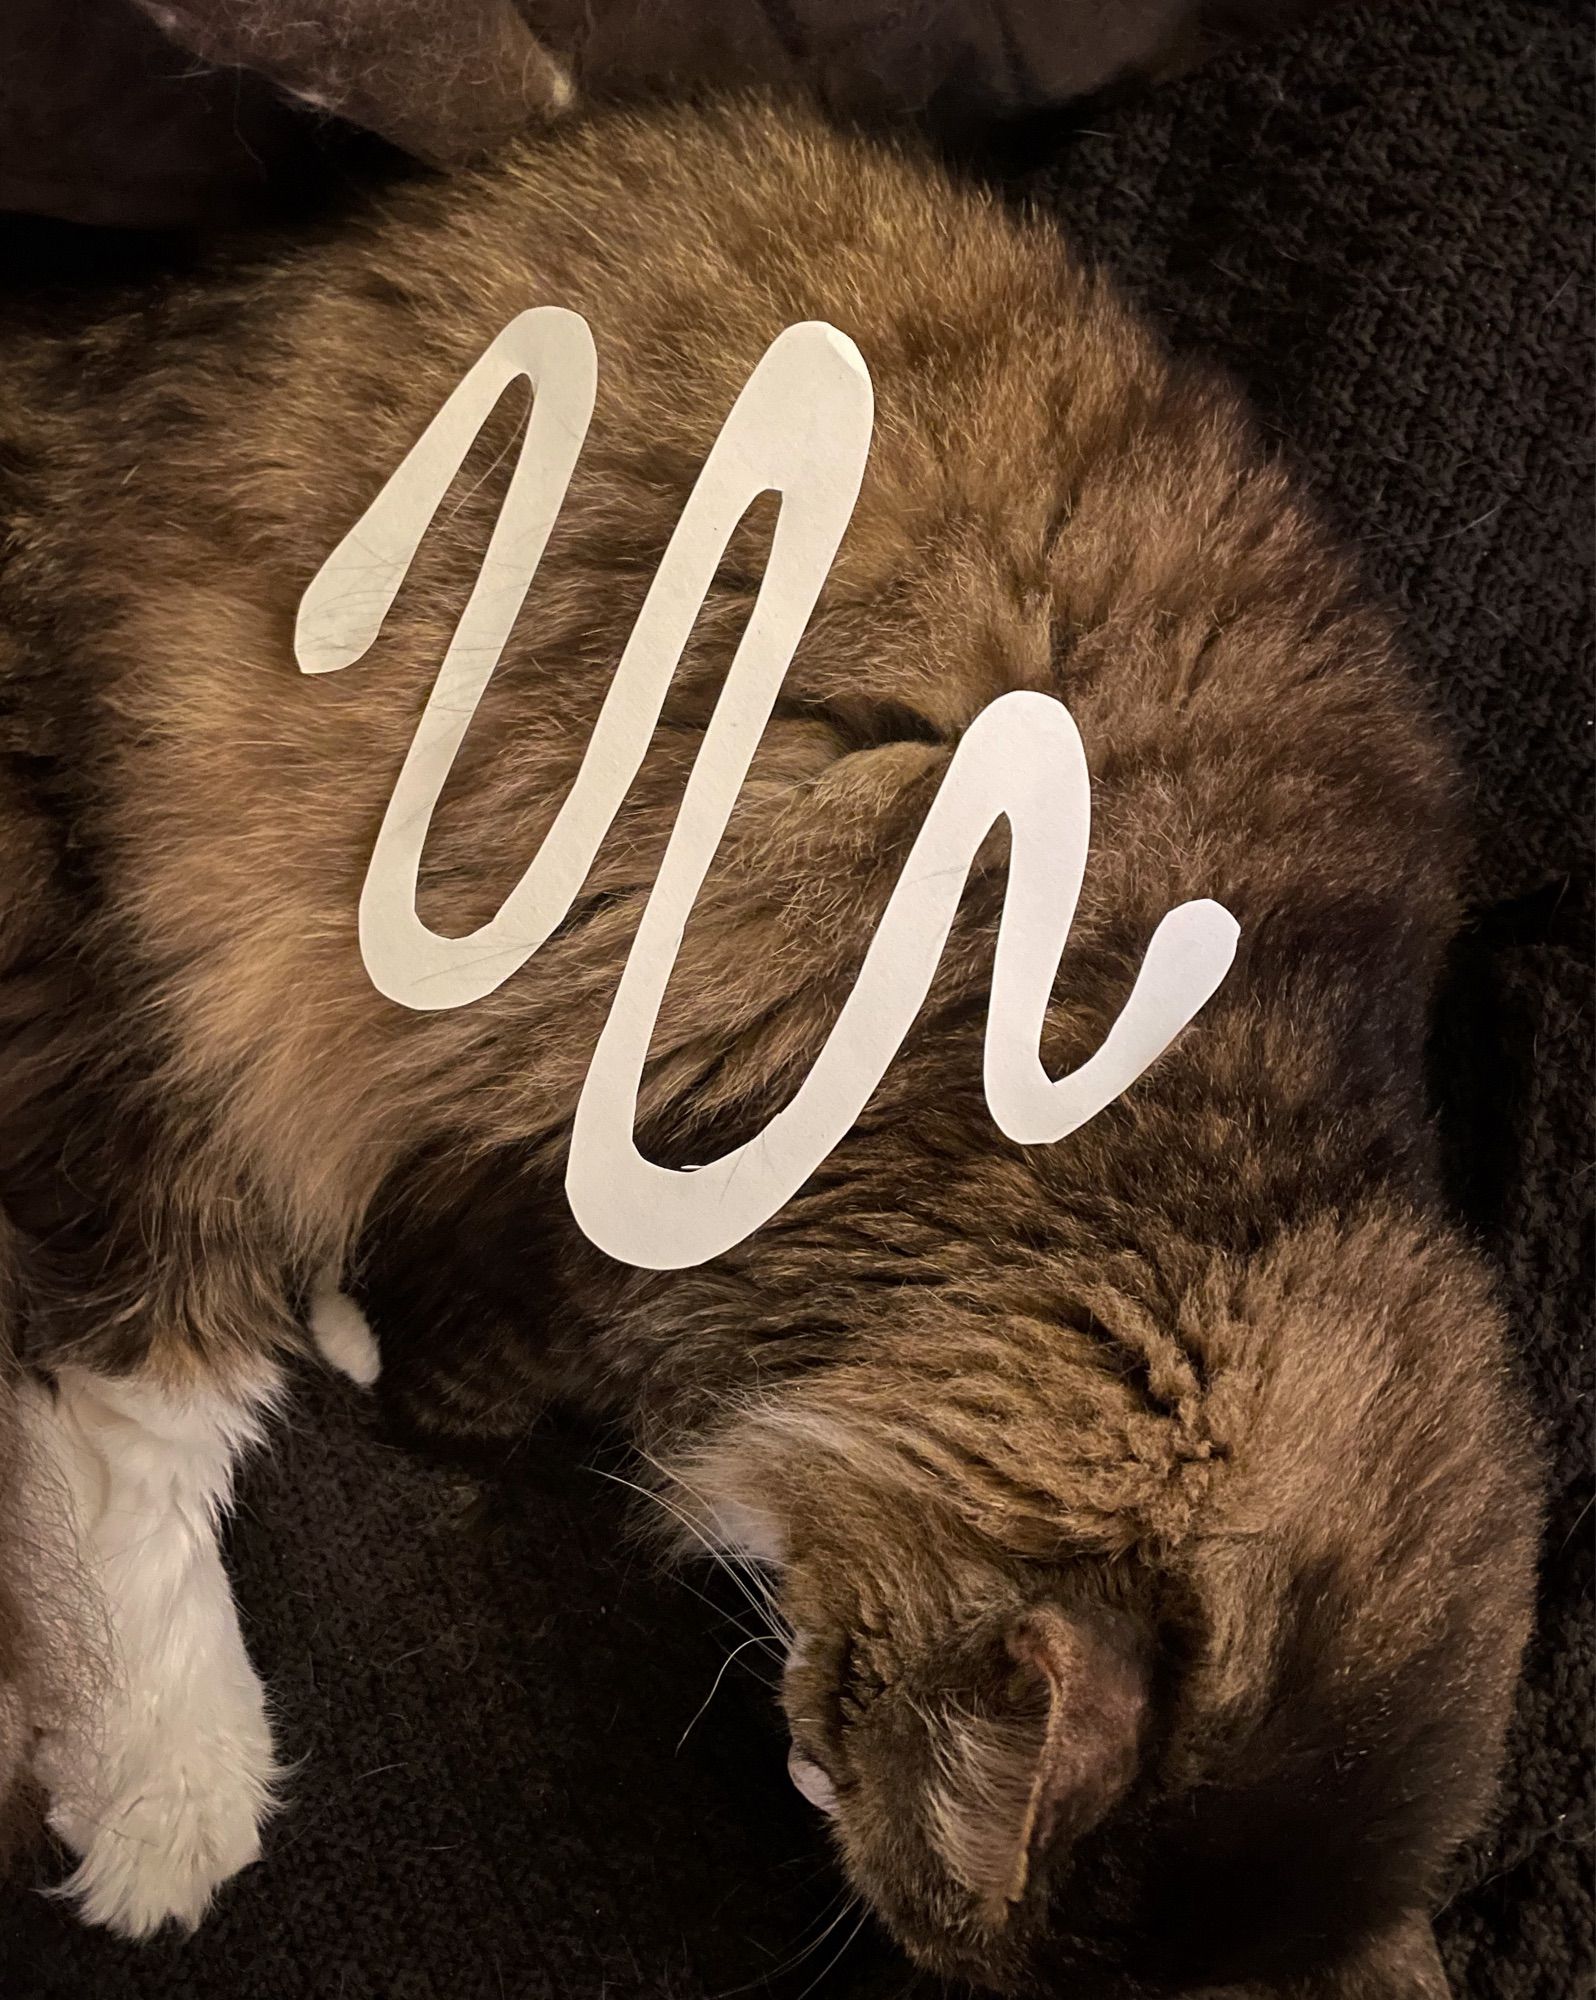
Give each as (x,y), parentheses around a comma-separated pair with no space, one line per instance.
(317,650)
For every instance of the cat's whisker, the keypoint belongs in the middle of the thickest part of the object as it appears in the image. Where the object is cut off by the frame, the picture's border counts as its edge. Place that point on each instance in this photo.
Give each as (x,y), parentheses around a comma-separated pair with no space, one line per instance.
(750,1578)
(754,1580)
(717,1555)
(836,1911)
(750,1568)
(715,1689)
(768,1643)
(840,1953)
(757,1604)
(759,1639)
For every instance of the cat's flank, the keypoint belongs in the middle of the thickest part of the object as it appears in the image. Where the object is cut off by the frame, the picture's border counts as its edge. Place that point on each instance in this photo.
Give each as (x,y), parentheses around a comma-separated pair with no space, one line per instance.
(1151,1512)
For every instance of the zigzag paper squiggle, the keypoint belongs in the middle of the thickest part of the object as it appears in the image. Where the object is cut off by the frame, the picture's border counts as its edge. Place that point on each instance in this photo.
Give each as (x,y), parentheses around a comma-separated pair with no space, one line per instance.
(801,428)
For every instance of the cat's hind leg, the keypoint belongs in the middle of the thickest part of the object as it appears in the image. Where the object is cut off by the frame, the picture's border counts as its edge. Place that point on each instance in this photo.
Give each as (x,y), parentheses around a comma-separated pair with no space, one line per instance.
(161,1791)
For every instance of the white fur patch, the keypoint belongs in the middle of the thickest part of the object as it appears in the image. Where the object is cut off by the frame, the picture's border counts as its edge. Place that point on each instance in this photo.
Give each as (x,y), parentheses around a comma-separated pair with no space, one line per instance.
(162,1790)
(561,85)
(342,1334)
(745,1531)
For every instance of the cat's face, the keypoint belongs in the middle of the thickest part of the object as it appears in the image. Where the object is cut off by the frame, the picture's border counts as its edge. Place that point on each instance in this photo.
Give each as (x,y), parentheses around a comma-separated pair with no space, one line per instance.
(1219,1737)
(1021,1792)
(929,1730)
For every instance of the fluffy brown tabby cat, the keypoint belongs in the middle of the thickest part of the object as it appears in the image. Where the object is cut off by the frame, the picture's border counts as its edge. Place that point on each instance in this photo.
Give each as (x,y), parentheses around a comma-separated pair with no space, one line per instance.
(1152,1511)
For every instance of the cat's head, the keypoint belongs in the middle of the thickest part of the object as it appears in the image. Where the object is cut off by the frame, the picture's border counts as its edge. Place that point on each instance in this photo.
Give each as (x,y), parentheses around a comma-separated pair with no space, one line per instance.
(1128,1665)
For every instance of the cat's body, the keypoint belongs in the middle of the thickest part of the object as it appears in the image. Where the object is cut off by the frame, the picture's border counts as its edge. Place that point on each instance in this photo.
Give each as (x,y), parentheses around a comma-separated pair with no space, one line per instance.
(1152,1509)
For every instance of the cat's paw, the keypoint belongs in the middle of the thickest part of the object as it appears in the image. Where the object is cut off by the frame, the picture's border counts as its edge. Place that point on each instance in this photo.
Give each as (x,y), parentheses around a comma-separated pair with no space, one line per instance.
(164,1818)
(342,1334)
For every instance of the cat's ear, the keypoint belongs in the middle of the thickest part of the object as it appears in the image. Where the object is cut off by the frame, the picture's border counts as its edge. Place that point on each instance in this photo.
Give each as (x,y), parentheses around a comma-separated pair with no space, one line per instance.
(1042,1762)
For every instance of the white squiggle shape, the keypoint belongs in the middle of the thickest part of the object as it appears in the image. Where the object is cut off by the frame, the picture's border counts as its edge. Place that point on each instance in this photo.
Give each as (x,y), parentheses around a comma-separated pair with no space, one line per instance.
(343,610)
(801,427)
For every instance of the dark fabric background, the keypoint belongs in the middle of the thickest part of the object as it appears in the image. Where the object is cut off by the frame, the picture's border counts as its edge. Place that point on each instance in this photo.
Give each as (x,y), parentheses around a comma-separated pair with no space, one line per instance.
(1384,228)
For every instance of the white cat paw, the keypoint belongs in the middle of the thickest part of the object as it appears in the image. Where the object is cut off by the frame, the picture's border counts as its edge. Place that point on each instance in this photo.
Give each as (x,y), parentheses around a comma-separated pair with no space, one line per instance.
(160,1825)
(161,1781)
(342,1334)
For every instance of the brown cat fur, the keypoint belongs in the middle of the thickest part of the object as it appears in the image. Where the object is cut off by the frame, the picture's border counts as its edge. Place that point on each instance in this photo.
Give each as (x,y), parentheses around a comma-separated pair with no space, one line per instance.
(1155,1508)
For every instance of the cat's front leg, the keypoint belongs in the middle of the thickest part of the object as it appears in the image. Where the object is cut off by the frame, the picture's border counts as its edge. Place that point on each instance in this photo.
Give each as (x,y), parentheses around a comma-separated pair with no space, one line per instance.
(161,1789)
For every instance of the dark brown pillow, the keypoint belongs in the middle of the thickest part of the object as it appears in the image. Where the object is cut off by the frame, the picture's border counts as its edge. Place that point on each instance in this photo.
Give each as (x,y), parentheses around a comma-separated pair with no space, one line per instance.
(164,113)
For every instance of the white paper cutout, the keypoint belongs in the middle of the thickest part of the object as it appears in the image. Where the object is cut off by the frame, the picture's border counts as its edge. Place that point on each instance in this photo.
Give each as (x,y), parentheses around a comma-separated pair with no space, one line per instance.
(800,428)
(342,612)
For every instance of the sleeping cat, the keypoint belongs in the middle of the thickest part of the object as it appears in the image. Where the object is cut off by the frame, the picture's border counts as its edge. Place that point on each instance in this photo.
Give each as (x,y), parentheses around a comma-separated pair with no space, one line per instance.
(1152,1513)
